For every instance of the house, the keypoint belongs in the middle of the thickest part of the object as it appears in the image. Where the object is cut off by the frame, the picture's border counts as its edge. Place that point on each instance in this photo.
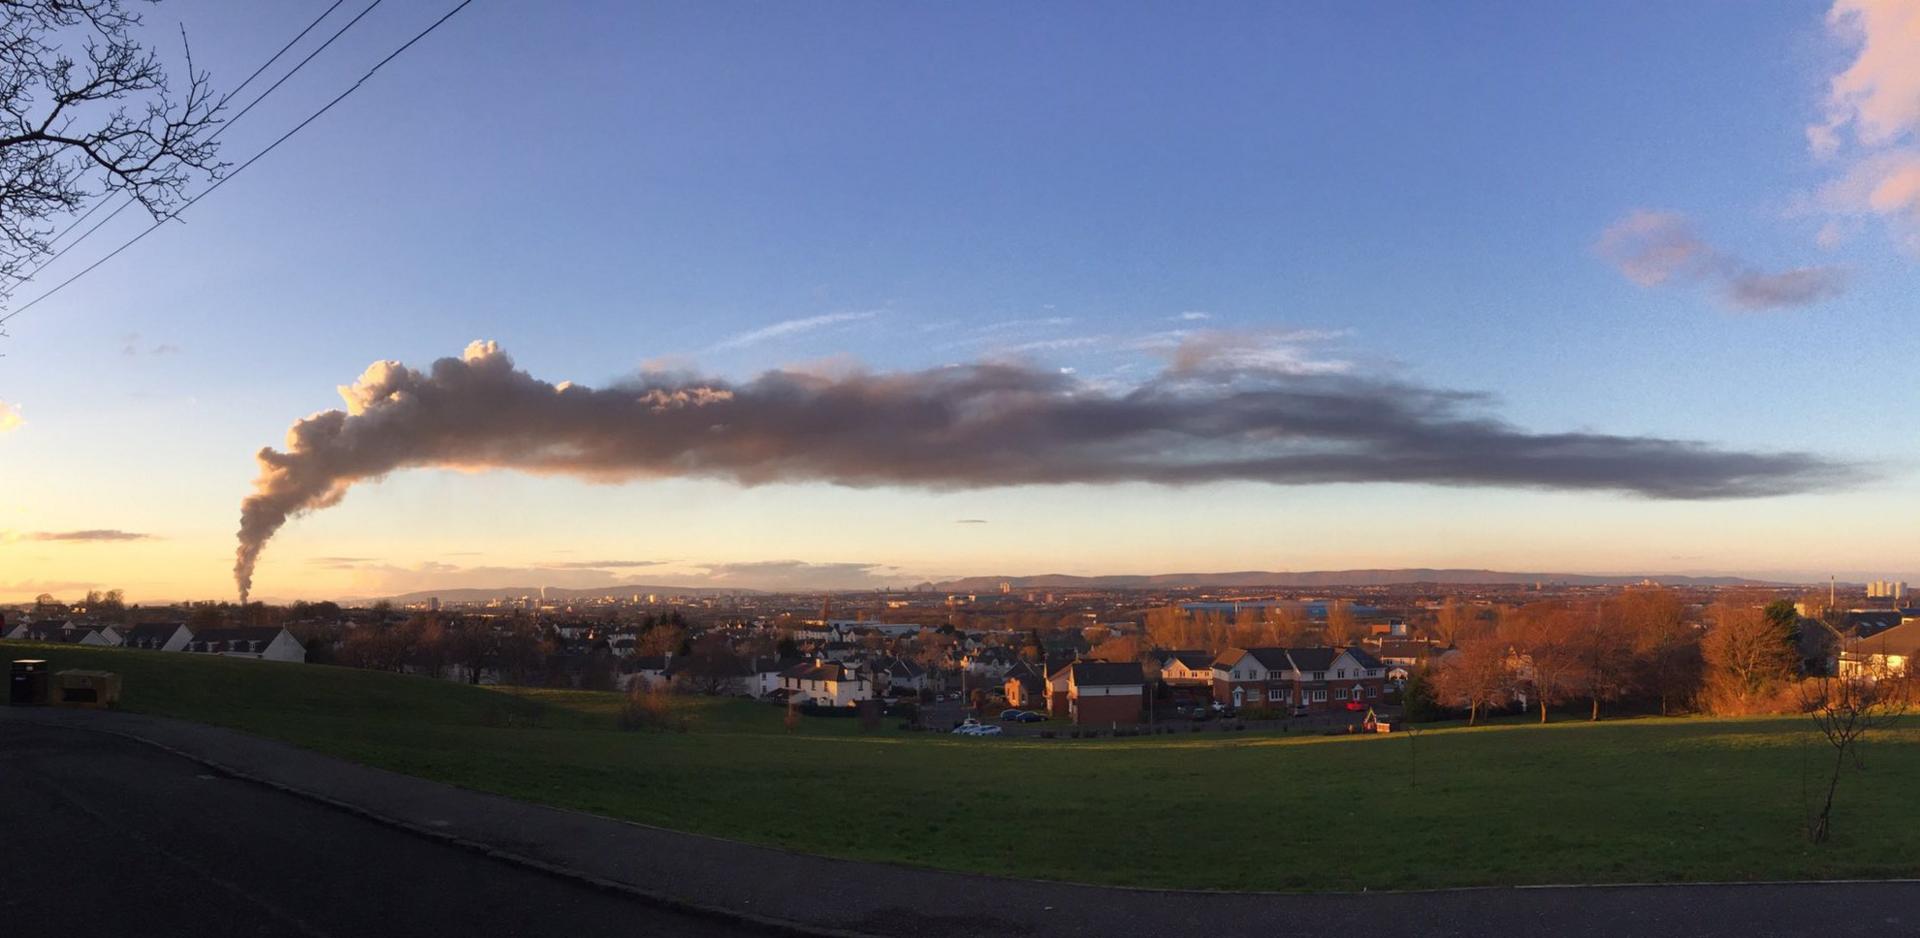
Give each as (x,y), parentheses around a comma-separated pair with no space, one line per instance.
(900,677)
(1887,654)
(650,671)
(1311,679)
(62,632)
(823,684)
(1025,687)
(1097,693)
(765,676)
(159,636)
(990,662)
(1402,658)
(1186,677)
(264,642)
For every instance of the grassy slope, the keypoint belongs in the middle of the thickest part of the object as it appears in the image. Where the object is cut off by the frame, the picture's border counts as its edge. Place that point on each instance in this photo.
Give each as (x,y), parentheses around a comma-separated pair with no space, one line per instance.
(1625,801)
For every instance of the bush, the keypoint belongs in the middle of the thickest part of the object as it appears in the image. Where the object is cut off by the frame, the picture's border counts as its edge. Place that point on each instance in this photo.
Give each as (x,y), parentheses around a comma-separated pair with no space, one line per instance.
(652,711)
(1262,713)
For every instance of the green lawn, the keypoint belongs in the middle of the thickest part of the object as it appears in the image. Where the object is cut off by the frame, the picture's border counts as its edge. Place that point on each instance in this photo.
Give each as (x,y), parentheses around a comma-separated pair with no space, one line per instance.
(1637,800)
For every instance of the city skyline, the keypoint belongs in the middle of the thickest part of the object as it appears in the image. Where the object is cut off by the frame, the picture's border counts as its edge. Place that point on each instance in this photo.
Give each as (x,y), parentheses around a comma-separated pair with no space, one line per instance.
(1678,233)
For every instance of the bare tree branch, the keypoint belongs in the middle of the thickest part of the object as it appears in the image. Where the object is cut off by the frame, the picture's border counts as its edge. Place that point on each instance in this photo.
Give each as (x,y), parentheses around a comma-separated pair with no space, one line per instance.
(87,111)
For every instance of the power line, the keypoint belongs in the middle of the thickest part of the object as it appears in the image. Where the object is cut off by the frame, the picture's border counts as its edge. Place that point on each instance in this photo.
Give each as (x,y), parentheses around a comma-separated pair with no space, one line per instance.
(243,166)
(126,200)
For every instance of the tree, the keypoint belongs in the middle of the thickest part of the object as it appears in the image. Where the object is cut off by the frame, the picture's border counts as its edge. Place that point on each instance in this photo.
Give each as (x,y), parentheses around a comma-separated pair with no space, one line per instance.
(1544,635)
(1342,627)
(711,667)
(1748,655)
(1603,644)
(1845,710)
(1666,650)
(101,119)
(1475,678)
(1453,622)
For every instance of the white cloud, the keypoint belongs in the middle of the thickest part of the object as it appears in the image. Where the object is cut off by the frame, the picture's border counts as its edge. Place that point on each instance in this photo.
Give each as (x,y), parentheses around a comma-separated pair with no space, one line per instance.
(781,330)
(1193,315)
(1871,118)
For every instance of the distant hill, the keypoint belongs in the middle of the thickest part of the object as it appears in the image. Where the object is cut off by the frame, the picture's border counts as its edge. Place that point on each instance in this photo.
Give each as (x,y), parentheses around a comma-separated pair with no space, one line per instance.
(483,594)
(1325,578)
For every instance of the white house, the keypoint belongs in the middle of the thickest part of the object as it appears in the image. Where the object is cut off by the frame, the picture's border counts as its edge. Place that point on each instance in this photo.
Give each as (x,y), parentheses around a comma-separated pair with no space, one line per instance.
(823,684)
(264,642)
(157,636)
(1887,654)
(56,631)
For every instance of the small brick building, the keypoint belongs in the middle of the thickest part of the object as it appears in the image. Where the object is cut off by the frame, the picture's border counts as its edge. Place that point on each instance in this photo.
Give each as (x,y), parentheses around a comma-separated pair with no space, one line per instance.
(1097,693)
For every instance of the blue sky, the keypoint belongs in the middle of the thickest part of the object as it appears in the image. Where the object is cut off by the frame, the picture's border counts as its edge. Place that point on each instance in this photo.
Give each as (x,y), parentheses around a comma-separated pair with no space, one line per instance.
(600,186)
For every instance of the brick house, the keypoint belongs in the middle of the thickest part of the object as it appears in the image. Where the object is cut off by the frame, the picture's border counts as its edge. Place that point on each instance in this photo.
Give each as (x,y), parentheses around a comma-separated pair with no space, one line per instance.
(1317,679)
(1097,693)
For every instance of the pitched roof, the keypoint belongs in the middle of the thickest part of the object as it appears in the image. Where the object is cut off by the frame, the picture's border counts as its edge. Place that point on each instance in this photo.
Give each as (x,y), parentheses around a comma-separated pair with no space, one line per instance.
(154,631)
(1302,659)
(1106,673)
(821,671)
(1903,639)
(257,633)
(1193,660)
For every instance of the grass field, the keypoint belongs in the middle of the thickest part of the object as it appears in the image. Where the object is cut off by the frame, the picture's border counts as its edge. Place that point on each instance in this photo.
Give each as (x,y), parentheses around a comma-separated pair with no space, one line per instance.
(1638,800)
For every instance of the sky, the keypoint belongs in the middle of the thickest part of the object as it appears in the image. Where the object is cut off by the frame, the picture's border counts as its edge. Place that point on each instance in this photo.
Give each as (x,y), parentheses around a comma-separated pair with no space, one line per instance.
(1649,269)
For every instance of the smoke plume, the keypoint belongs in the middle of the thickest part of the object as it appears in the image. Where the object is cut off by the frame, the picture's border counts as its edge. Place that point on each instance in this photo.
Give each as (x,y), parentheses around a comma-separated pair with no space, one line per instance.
(1206,417)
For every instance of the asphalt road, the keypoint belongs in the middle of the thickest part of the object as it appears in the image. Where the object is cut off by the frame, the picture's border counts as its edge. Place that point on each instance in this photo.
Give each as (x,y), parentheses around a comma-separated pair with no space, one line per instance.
(101,835)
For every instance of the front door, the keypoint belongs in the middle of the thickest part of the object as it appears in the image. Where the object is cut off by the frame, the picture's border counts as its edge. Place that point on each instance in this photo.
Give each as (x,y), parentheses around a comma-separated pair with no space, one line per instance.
(1238,695)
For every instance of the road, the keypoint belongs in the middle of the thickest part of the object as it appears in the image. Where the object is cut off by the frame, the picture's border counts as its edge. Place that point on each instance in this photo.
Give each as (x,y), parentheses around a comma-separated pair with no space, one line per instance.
(101,835)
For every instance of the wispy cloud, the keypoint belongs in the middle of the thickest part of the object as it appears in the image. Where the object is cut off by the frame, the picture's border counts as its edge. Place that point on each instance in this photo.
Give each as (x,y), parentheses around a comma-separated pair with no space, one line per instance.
(90,535)
(781,330)
(601,564)
(1656,248)
(1871,119)
(131,345)
(971,521)
(1192,315)
(800,575)
(10,419)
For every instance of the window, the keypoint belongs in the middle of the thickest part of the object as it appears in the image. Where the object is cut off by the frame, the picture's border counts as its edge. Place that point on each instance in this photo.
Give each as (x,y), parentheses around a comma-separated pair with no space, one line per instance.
(1340,693)
(1340,673)
(1236,675)
(1373,692)
(1319,696)
(1276,694)
(1319,675)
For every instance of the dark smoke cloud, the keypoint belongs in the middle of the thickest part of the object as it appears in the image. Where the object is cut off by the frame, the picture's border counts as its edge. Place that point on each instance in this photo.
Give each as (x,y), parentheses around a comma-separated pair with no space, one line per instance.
(1200,420)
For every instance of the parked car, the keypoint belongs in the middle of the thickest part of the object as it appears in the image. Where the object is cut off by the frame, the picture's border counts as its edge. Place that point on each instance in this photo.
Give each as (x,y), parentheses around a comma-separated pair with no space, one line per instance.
(1011,716)
(1028,716)
(1301,710)
(1356,706)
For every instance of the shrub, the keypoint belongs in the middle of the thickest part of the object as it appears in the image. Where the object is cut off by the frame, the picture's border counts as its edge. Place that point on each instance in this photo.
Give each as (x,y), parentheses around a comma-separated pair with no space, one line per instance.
(1262,713)
(652,711)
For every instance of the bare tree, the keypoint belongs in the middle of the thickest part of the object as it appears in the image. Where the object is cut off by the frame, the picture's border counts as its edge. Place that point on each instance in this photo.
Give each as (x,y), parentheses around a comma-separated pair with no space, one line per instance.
(1748,657)
(1453,622)
(1475,678)
(86,110)
(1342,628)
(1845,710)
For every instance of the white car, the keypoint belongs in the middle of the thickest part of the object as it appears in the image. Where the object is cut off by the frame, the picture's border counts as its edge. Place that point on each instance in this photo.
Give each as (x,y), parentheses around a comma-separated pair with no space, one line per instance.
(976,728)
